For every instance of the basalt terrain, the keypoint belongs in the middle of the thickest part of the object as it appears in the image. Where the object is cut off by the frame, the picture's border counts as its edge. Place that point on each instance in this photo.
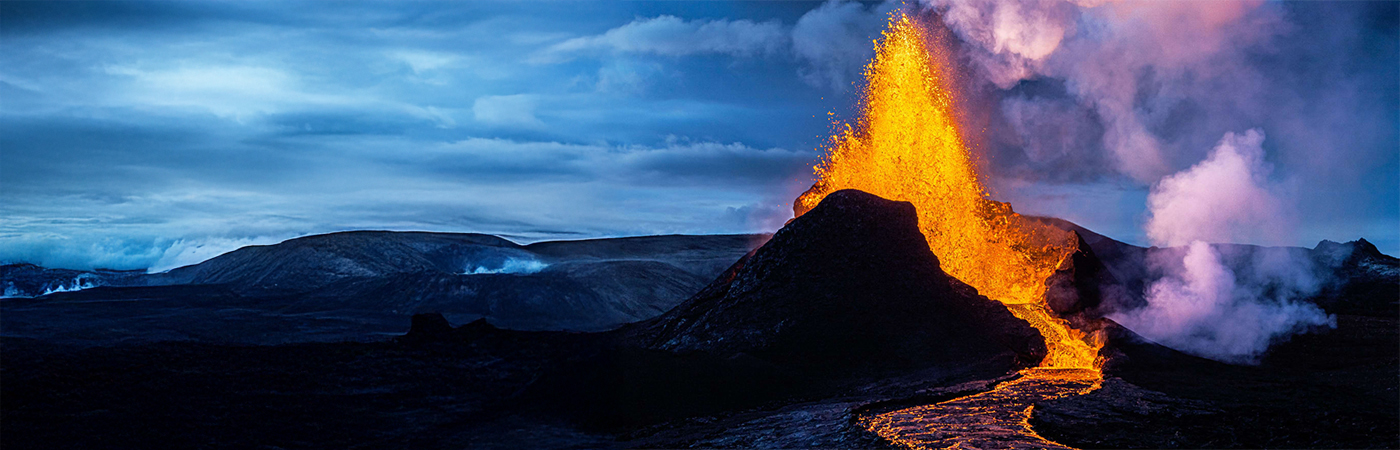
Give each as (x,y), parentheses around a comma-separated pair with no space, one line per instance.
(841,318)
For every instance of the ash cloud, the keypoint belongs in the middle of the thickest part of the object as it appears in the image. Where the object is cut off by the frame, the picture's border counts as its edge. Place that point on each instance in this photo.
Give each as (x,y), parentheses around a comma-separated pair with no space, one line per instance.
(1203,304)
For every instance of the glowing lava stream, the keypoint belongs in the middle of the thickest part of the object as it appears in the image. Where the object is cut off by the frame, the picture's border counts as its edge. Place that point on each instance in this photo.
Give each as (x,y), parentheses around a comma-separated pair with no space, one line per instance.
(907,147)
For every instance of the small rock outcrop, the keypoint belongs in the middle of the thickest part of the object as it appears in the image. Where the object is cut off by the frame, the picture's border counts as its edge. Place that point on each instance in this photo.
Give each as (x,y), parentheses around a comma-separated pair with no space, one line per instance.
(428,327)
(1083,286)
(1357,279)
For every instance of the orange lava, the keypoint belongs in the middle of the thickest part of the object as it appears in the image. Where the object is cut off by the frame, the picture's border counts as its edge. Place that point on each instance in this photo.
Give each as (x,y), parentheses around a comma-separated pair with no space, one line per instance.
(907,147)
(998,418)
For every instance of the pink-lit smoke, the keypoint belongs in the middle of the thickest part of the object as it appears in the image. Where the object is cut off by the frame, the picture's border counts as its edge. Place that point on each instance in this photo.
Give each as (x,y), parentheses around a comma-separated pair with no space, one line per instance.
(1128,61)
(1201,305)
(1160,81)
(1226,198)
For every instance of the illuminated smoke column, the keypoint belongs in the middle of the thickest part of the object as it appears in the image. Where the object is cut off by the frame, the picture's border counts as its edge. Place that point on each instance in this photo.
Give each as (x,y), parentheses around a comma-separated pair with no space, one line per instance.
(1202,306)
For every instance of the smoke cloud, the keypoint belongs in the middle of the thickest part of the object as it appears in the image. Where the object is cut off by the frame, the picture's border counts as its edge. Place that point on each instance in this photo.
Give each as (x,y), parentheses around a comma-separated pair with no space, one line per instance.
(1225,198)
(1202,305)
(1133,63)
(1132,95)
(1082,94)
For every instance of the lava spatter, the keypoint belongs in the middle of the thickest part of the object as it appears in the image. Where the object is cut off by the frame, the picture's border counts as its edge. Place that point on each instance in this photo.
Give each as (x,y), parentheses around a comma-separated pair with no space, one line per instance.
(907,146)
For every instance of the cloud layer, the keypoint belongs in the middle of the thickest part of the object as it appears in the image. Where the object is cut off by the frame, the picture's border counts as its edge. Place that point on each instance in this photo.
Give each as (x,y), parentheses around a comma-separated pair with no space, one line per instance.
(152,136)
(138,135)
(673,36)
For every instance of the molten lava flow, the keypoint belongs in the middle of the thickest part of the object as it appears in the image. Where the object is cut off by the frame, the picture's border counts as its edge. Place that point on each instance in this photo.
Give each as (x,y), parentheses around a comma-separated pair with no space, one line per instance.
(998,418)
(907,147)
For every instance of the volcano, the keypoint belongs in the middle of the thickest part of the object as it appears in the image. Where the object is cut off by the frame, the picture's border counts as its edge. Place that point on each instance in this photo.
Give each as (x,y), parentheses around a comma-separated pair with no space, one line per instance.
(850,284)
(844,296)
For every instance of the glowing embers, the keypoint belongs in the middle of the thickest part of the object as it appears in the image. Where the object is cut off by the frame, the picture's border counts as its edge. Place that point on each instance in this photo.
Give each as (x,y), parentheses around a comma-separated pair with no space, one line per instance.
(907,147)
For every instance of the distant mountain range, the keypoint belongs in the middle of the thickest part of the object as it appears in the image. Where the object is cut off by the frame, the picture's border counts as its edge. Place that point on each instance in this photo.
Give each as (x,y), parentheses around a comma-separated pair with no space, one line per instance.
(362,284)
(1354,277)
(355,285)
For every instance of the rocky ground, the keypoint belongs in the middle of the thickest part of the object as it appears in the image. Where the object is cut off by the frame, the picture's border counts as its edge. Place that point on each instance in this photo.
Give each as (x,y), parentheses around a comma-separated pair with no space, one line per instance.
(1339,389)
(477,391)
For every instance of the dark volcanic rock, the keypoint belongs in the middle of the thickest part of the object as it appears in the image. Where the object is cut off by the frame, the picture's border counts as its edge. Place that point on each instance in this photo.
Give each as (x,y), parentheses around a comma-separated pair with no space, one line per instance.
(1126,350)
(428,327)
(1117,412)
(851,284)
(1331,390)
(768,356)
(1364,280)
(1082,283)
(1126,262)
(694,254)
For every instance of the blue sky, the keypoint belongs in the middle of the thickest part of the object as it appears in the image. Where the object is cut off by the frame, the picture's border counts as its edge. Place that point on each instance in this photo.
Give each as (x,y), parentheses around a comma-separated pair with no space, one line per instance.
(151,135)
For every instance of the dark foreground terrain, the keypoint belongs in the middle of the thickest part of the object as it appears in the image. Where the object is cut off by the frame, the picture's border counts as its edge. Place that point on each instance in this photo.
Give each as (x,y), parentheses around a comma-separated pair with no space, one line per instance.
(1337,390)
(844,314)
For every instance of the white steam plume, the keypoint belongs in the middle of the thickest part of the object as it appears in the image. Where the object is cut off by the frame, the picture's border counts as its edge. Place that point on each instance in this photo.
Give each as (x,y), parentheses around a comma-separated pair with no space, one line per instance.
(514,266)
(1226,198)
(1202,306)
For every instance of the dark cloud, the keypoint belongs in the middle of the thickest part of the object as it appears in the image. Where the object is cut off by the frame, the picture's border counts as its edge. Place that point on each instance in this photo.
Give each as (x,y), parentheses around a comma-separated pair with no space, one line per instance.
(33,17)
(154,134)
(835,41)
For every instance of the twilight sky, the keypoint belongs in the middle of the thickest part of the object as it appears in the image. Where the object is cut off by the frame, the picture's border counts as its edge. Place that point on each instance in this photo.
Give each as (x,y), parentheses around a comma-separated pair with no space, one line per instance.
(153,135)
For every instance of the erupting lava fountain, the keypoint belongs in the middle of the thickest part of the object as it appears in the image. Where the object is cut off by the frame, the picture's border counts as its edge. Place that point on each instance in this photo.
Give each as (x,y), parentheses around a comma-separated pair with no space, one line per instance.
(907,146)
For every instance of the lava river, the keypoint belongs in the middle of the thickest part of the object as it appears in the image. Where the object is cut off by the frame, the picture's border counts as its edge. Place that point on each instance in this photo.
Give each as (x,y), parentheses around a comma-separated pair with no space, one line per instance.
(907,146)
